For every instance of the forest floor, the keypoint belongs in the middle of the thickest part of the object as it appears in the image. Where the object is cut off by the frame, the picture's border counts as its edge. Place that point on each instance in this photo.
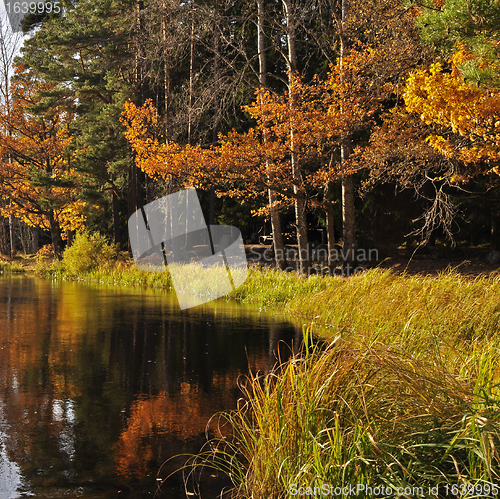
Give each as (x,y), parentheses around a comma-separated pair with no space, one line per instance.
(469,262)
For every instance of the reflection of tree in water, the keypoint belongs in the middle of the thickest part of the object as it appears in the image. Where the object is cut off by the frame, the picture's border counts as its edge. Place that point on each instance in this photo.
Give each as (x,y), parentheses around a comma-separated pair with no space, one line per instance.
(40,383)
(153,420)
(97,381)
(184,416)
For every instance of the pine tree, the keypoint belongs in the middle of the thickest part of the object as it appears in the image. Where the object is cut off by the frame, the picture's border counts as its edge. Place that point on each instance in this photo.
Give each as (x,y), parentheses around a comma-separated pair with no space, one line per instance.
(475,25)
(86,52)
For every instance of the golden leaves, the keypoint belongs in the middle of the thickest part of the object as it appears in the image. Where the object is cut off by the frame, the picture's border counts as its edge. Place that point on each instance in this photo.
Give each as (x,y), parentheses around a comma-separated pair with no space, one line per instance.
(307,122)
(190,163)
(34,166)
(465,109)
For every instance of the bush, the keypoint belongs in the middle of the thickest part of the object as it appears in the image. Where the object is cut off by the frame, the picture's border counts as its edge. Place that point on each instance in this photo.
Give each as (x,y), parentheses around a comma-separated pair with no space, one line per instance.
(45,252)
(88,252)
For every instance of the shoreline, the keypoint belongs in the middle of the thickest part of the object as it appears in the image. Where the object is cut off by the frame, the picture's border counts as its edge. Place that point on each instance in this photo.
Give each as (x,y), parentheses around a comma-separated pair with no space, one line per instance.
(333,304)
(404,392)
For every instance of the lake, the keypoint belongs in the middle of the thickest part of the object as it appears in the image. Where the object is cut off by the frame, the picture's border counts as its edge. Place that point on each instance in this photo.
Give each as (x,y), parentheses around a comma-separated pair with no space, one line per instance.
(101,387)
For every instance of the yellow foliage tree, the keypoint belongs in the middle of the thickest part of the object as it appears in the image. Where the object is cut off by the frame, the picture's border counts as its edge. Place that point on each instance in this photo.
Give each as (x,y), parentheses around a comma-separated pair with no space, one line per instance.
(321,114)
(468,113)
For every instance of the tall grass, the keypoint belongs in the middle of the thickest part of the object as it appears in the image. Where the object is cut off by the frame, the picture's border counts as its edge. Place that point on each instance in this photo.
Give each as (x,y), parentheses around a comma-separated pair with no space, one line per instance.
(405,395)
(11,267)
(448,318)
(358,415)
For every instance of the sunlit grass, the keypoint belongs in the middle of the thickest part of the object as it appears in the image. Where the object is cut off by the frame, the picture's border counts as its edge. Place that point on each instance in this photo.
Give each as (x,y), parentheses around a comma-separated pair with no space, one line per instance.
(11,267)
(406,392)
(422,316)
(353,413)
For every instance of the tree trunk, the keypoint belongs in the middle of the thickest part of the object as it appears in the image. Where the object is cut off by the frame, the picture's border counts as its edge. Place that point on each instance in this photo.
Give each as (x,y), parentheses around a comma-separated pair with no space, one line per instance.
(330,220)
(216,105)
(167,70)
(4,235)
(140,58)
(348,221)
(116,220)
(55,232)
(348,212)
(211,218)
(22,231)
(34,240)
(12,236)
(279,247)
(136,182)
(302,239)
(191,83)
(136,176)
(300,201)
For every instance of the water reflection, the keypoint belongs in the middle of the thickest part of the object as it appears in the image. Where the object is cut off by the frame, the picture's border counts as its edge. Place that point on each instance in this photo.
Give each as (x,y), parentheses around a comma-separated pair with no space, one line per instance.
(10,473)
(99,386)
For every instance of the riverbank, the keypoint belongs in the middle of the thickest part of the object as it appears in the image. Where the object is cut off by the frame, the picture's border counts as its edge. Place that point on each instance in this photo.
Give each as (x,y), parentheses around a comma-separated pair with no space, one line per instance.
(376,305)
(405,397)
(404,401)
(367,420)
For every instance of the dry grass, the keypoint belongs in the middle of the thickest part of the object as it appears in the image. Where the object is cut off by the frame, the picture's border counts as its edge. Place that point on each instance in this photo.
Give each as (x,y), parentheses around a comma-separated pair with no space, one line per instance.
(351,413)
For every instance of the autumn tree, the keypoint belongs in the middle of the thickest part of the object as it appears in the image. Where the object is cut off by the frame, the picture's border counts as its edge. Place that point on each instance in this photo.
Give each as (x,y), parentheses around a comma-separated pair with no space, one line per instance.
(475,25)
(9,44)
(445,134)
(39,184)
(266,157)
(274,213)
(465,100)
(320,121)
(469,112)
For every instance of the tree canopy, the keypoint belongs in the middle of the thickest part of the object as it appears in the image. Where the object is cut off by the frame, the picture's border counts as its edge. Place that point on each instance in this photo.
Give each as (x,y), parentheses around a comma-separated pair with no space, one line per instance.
(257,104)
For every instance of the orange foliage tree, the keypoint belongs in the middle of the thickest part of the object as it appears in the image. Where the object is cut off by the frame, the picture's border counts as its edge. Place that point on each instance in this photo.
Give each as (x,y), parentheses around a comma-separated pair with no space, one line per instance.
(38,184)
(446,133)
(248,164)
(189,166)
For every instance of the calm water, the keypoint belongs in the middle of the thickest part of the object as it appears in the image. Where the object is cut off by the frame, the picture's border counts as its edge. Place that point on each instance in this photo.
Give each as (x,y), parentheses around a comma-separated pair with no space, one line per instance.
(100,386)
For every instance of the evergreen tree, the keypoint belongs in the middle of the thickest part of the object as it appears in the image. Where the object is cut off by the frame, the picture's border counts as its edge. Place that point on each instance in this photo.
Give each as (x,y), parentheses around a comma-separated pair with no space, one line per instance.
(86,51)
(475,24)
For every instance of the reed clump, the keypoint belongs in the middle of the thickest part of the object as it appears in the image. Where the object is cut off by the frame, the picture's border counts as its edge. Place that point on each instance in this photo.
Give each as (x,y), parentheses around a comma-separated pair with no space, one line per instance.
(11,267)
(404,397)
(355,416)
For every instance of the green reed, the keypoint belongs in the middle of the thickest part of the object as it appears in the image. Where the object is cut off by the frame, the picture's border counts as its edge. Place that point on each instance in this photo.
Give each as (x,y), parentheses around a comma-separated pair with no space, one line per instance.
(352,414)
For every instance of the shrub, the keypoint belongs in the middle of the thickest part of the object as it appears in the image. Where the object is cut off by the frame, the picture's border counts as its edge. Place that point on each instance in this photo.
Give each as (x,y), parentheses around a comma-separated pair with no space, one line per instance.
(45,252)
(88,252)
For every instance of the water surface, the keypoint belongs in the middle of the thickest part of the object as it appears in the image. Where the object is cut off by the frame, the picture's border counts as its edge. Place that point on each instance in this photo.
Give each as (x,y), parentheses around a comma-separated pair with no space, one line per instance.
(99,386)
